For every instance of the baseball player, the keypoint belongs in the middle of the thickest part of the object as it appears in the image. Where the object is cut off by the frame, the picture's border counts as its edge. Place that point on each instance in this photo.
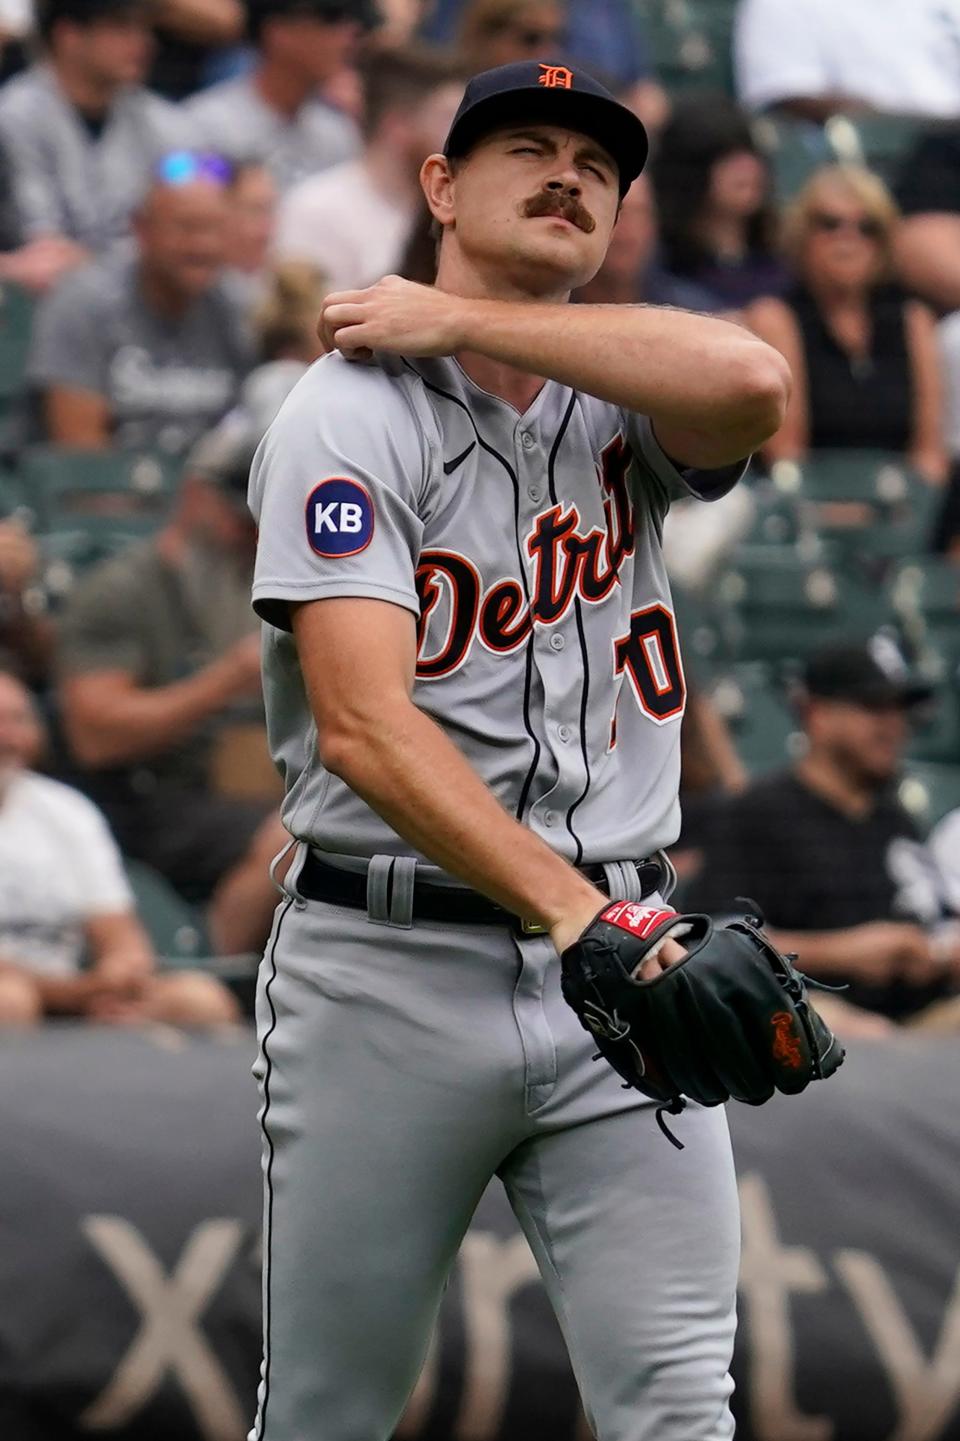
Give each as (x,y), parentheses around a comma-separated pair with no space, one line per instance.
(474,692)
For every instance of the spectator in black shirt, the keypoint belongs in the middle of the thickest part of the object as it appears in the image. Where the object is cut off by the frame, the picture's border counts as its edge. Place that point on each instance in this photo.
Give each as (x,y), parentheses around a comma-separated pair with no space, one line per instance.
(864,358)
(833,860)
(928,243)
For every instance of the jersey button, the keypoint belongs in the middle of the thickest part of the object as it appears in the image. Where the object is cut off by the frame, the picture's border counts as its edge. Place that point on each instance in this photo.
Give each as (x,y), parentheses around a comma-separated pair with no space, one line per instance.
(550,818)
(557,641)
(564,733)
(534,492)
(527,440)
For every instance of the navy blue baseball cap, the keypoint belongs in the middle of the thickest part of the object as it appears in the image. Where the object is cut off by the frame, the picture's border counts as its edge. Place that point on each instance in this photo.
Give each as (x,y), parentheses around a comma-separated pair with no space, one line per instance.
(529,92)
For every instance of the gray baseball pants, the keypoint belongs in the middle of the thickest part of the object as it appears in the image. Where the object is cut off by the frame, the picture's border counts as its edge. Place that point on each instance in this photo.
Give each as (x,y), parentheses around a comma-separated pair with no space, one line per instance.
(400,1068)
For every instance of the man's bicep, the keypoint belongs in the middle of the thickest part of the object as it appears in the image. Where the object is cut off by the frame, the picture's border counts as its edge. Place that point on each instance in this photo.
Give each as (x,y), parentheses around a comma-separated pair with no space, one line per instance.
(358,657)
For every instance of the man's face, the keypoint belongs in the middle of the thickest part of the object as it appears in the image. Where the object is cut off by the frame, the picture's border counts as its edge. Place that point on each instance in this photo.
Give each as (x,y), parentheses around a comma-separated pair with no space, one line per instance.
(865,742)
(310,46)
(21,735)
(634,235)
(182,230)
(535,205)
(115,50)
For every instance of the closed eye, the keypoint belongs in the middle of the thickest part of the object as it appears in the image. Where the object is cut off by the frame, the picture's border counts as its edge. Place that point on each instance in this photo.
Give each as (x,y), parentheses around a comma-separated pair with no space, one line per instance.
(525,150)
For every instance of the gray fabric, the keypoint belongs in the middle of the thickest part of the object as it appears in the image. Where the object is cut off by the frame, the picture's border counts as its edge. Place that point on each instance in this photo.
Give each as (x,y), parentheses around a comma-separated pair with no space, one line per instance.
(65,181)
(166,382)
(451,471)
(395,1085)
(233,119)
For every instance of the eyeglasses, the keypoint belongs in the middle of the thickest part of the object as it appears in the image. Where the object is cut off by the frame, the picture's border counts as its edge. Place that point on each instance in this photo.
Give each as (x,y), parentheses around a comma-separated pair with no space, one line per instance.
(830,224)
(183,167)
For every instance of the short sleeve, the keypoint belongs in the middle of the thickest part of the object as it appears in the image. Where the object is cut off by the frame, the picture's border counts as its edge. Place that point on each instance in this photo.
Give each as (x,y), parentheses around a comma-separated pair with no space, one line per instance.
(335,489)
(673,480)
(69,345)
(98,868)
(777,52)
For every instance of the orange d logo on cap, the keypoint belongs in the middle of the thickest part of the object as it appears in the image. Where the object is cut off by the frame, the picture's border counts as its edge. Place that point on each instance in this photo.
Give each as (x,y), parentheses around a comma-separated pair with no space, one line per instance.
(556,77)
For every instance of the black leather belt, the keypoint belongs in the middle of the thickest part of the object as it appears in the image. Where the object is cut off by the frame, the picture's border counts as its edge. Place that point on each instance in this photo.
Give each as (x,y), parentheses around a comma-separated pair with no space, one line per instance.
(319,881)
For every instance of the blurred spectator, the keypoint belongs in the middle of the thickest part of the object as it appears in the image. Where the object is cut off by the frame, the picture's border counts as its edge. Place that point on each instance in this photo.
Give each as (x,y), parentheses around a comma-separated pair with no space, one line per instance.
(353,220)
(26,635)
(605,37)
(833,860)
(631,272)
(274,112)
(64,894)
(813,58)
(188,33)
(252,193)
(928,241)
(285,320)
(864,358)
(714,194)
(497,32)
(159,653)
(148,351)
(80,130)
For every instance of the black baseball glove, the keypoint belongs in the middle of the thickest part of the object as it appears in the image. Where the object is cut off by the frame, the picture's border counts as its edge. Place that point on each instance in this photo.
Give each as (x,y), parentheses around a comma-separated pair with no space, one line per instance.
(729,1020)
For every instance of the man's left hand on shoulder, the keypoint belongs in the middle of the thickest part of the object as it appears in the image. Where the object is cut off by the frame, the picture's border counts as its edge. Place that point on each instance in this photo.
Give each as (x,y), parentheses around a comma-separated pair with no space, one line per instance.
(394,315)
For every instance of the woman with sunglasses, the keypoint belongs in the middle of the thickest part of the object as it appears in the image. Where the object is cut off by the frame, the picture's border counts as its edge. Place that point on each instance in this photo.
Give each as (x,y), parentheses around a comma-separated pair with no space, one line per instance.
(866,372)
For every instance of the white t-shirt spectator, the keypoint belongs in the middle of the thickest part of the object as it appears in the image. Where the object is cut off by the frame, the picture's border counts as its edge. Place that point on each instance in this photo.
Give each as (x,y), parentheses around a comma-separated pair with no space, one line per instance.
(344,225)
(59,867)
(898,56)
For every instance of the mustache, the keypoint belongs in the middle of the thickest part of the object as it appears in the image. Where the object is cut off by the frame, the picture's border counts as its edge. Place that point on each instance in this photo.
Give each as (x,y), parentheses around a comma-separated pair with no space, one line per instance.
(557,202)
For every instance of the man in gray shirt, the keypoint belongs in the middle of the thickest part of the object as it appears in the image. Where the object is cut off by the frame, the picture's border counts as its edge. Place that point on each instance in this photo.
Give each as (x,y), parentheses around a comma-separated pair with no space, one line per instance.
(147,351)
(80,130)
(274,113)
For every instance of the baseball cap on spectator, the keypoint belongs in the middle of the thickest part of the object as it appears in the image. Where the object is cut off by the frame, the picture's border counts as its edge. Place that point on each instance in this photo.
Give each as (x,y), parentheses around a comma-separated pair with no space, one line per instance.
(871,675)
(530,92)
(332,12)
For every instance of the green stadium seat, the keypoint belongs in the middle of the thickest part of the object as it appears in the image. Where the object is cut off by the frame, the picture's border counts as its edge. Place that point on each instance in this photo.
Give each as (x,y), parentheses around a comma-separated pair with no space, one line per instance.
(926,595)
(789,604)
(61,484)
(929,792)
(690,44)
(881,142)
(794,149)
(764,729)
(66,555)
(16,320)
(175,927)
(868,504)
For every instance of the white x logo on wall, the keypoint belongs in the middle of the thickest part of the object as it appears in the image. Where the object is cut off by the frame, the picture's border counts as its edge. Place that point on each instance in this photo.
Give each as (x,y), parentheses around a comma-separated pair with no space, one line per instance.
(169,1339)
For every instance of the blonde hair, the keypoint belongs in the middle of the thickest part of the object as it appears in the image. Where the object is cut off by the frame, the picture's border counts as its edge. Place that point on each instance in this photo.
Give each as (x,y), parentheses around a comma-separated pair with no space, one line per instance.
(285,320)
(865,187)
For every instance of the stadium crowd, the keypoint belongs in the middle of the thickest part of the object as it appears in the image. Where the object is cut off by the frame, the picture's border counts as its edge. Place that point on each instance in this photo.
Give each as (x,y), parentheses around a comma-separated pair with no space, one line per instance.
(181,181)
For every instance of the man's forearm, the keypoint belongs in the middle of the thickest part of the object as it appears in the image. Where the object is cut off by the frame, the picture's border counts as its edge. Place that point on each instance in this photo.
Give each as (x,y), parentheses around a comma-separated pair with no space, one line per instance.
(695,370)
(135,724)
(412,774)
(823,953)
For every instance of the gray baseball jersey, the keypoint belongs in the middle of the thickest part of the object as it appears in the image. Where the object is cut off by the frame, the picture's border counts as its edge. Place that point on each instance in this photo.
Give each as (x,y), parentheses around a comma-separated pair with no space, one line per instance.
(234,119)
(68,181)
(529,548)
(403,1062)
